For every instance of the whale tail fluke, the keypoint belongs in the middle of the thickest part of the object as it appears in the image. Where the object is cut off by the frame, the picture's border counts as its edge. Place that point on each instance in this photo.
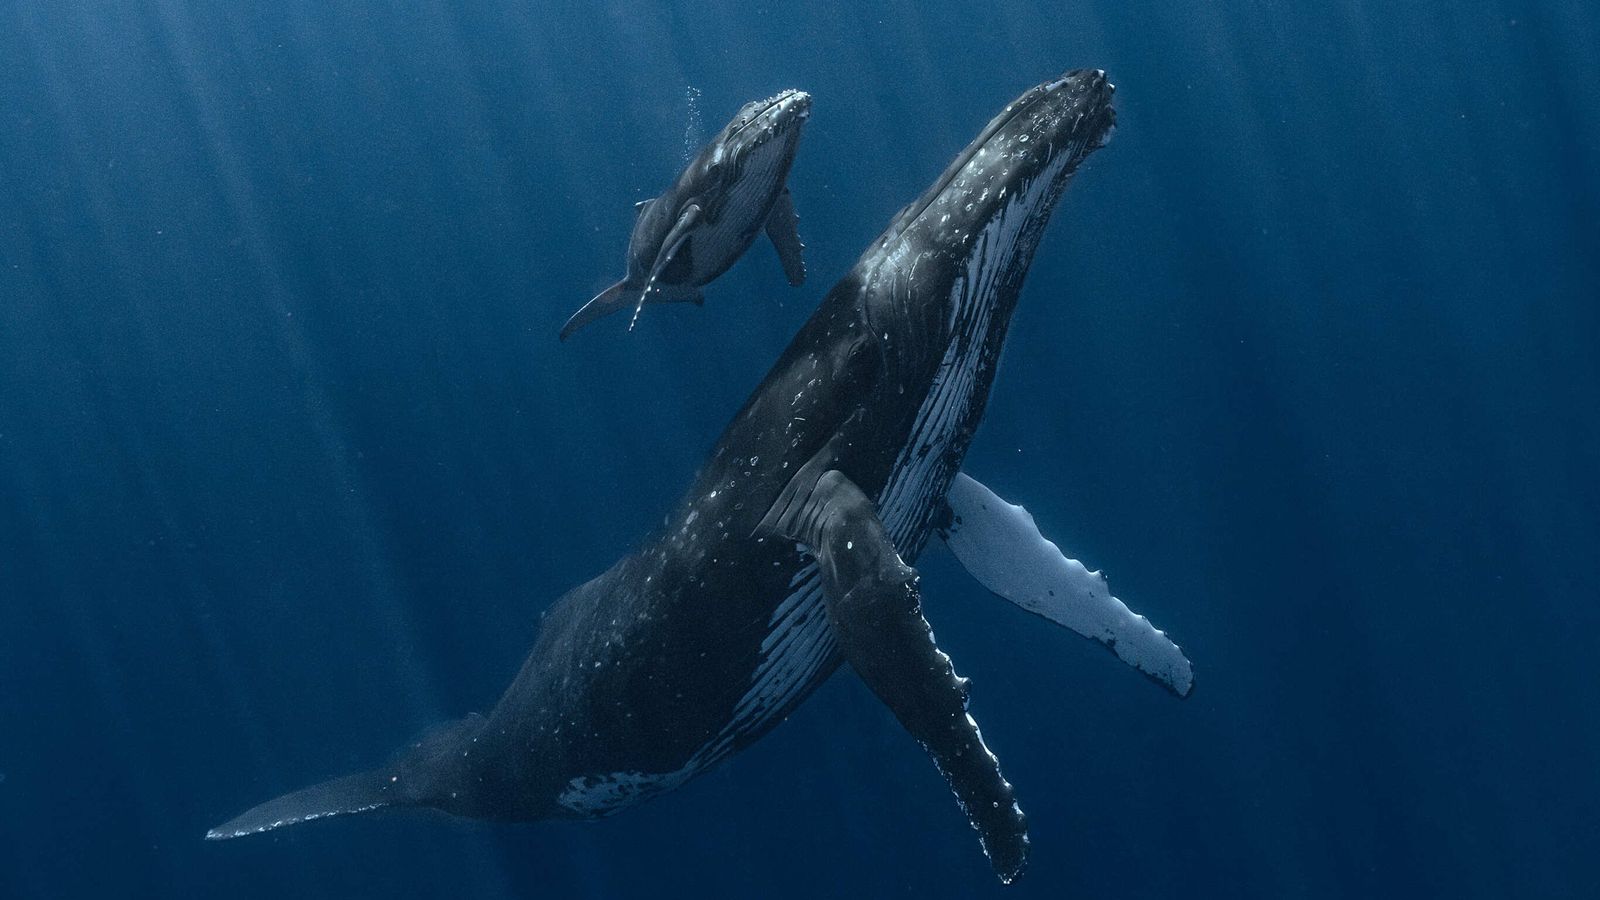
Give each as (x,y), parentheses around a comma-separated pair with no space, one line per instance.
(621,296)
(616,297)
(432,771)
(341,796)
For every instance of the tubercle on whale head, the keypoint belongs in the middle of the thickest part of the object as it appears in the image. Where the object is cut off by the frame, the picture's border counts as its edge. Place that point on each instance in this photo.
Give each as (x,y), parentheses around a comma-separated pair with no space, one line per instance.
(780,110)
(760,121)
(954,259)
(1049,130)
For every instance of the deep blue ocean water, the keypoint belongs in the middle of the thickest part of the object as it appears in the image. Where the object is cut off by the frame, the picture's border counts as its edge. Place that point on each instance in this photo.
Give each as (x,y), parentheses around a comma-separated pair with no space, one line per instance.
(290,459)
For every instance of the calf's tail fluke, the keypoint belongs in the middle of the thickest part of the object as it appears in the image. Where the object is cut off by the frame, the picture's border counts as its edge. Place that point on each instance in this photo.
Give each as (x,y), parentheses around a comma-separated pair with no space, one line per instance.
(341,796)
(608,301)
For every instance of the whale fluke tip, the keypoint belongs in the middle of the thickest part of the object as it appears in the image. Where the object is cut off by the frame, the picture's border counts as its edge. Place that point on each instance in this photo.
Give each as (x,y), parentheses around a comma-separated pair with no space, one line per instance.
(341,796)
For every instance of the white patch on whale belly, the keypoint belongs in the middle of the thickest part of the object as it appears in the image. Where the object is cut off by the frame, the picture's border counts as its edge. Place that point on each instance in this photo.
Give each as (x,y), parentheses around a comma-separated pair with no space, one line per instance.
(602,795)
(798,644)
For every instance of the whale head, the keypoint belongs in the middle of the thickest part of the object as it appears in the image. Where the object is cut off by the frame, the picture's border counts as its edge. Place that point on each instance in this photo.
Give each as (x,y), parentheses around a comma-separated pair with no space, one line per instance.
(954,259)
(755,149)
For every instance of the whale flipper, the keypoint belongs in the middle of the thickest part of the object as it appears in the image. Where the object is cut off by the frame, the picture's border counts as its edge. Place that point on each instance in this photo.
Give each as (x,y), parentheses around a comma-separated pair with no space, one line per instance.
(1001,547)
(676,243)
(363,792)
(875,611)
(783,229)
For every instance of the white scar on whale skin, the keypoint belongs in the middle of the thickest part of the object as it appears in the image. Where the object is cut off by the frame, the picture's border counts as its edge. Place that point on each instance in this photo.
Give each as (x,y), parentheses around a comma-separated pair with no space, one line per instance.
(1001,546)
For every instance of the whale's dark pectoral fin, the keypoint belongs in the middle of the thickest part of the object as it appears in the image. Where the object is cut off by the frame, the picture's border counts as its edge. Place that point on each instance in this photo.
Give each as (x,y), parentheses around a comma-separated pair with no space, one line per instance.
(1002,547)
(676,240)
(876,612)
(608,301)
(341,796)
(783,229)
(675,243)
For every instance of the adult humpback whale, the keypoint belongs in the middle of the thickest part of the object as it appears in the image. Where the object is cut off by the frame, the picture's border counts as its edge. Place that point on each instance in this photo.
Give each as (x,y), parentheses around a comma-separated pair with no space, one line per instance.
(791,552)
(685,238)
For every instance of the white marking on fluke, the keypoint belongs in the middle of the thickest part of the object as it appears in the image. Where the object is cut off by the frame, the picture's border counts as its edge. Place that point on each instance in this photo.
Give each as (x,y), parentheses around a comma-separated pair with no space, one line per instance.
(218,834)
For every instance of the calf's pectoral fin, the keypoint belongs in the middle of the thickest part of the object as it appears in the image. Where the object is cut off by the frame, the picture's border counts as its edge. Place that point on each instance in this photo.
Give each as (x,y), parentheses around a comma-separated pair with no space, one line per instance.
(678,271)
(1002,547)
(677,239)
(783,229)
(876,613)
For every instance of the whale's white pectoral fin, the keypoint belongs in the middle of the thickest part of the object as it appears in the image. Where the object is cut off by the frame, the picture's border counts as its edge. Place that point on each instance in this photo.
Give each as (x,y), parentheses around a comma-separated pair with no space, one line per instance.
(1001,546)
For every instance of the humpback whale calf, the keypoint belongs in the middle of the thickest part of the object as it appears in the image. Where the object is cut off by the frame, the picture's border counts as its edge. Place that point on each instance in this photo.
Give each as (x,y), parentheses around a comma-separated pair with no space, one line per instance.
(685,238)
(791,553)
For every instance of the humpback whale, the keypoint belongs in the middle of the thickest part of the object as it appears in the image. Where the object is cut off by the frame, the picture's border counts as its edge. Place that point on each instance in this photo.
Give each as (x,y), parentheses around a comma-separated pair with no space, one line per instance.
(791,554)
(685,238)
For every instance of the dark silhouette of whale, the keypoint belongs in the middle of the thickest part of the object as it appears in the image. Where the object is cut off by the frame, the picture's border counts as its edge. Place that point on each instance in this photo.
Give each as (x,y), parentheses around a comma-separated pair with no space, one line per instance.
(736,186)
(792,551)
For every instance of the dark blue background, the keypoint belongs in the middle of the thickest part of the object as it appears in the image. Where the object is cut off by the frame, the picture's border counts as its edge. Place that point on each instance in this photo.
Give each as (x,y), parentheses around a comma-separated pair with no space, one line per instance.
(290,458)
